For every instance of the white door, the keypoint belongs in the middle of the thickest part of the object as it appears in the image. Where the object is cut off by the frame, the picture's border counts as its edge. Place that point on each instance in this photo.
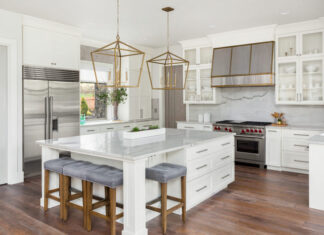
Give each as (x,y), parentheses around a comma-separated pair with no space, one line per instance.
(3,118)
(273,147)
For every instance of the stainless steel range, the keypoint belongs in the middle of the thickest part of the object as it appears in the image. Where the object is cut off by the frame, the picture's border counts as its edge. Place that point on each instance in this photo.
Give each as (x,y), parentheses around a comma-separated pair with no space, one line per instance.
(250,140)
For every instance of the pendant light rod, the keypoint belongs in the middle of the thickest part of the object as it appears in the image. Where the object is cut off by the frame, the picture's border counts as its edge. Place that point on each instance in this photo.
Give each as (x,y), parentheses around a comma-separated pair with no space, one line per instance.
(168,10)
(117,20)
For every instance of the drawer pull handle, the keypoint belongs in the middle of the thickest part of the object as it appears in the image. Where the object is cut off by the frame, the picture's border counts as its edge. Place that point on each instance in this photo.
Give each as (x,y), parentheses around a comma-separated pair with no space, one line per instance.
(109,128)
(301,135)
(202,188)
(301,161)
(200,167)
(126,126)
(201,151)
(90,130)
(225,176)
(273,131)
(188,127)
(146,125)
(302,146)
(223,158)
(226,144)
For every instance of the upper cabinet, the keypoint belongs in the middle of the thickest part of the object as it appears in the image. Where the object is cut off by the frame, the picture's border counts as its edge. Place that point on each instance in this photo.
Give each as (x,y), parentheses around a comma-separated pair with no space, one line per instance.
(299,68)
(42,47)
(243,65)
(198,88)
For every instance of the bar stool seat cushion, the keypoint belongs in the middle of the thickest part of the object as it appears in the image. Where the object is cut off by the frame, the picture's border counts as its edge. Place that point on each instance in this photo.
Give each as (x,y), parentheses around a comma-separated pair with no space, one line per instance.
(57,165)
(165,171)
(79,169)
(106,175)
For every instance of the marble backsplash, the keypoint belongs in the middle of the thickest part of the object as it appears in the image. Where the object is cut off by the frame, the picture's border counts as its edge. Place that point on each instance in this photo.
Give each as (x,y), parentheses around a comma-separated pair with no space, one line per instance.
(256,104)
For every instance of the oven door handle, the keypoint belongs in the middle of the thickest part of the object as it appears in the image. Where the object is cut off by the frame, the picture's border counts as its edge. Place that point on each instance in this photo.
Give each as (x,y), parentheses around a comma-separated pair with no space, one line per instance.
(251,137)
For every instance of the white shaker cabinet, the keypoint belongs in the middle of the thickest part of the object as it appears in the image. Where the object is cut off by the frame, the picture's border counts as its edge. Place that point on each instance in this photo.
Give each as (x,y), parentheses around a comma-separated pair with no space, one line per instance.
(273,147)
(47,48)
(299,68)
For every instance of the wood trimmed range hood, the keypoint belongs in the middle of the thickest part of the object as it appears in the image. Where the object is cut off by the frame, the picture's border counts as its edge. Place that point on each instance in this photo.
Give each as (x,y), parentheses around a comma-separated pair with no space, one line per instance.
(246,65)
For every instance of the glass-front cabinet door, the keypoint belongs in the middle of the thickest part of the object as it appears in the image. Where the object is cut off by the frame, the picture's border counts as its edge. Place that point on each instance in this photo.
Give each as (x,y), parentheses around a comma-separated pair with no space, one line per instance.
(312,43)
(287,46)
(206,92)
(287,85)
(312,81)
(191,86)
(191,56)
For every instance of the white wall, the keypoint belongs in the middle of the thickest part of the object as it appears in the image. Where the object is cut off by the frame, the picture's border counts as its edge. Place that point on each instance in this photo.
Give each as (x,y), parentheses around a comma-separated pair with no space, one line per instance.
(11,34)
(4,110)
(256,104)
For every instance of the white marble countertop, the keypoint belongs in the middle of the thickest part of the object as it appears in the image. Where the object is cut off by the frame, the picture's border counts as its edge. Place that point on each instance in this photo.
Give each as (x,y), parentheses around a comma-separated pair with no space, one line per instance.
(300,127)
(112,122)
(317,139)
(113,144)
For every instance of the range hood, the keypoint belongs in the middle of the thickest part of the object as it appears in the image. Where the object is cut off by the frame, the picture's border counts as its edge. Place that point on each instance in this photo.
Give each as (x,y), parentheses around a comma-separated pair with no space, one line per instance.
(243,65)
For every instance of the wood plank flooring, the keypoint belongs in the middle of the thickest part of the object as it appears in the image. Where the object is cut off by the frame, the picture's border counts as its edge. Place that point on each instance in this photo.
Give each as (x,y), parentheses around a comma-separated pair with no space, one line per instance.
(259,202)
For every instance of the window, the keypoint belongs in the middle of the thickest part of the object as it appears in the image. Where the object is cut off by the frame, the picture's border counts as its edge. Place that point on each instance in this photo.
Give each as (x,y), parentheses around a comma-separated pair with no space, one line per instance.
(91,105)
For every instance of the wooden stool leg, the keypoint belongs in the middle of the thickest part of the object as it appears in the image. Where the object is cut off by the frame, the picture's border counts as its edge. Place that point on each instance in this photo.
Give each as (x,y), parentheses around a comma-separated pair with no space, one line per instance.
(89,204)
(183,198)
(85,203)
(46,185)
(164,206)
(112,206)
(61,192)
(107,198)
(66,194)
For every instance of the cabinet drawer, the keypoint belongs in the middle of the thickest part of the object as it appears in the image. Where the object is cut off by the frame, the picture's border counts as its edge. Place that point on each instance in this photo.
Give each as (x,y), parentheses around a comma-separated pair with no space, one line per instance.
(222,176)
(295,160)
(199,167)
(223,158)
(296,145)
(299,134)
(208,148)
(187,126)
(105,128)
(199,189)
(89,130)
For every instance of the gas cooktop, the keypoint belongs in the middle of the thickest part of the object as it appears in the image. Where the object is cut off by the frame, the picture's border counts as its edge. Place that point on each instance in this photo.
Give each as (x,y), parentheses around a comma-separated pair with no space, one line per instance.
(245,123)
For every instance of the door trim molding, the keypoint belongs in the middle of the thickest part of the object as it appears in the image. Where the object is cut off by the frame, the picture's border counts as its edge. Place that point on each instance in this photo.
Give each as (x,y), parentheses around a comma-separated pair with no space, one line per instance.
(15,172)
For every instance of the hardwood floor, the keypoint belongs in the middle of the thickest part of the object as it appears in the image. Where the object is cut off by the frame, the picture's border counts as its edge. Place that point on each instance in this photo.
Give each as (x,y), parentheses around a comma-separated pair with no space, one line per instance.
(259,202)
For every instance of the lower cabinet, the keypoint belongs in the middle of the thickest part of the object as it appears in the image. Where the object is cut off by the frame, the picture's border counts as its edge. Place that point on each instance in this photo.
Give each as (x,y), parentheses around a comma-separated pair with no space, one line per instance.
(288,149)
(194,126)
(210,168)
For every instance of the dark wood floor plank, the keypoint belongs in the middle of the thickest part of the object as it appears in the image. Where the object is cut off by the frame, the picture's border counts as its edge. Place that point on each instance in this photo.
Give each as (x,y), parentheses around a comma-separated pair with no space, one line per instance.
(258,202)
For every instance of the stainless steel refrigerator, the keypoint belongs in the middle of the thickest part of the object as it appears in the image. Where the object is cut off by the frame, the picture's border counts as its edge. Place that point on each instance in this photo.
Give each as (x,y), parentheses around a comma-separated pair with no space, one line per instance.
(51,110)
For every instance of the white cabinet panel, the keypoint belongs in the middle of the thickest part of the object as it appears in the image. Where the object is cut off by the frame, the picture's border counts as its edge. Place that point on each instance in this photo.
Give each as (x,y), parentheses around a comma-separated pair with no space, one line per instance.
(273,147)
(50,49)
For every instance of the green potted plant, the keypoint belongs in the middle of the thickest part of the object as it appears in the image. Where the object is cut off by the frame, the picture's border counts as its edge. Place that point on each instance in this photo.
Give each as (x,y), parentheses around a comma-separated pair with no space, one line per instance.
(114,97)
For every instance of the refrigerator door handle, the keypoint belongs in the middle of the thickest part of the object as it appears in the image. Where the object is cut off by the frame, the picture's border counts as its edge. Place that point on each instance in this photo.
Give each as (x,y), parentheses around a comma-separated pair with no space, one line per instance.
(50,119)
(46,136)
(55,124)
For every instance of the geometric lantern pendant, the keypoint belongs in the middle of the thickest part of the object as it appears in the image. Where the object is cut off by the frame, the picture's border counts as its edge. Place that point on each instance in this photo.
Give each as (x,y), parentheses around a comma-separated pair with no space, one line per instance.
(169,66)
(120,55)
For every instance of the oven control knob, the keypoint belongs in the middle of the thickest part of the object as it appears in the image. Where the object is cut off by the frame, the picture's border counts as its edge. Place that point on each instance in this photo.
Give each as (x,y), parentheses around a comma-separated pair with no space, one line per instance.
(230,130)
(255,130)
(219,128)
(251,130)
(215,128)
(226,129)
(247,130)
(243,131)
(260,131)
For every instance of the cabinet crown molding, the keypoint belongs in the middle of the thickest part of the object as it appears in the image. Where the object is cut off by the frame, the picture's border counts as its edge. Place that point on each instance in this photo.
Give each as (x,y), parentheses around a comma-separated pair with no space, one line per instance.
(300,26)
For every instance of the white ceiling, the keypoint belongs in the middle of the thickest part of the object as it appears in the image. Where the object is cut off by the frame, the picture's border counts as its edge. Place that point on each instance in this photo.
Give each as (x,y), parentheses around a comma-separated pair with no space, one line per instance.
(143,22)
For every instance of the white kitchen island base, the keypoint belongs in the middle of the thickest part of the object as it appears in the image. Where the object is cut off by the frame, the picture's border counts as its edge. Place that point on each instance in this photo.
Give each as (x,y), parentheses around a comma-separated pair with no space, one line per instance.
(209,158)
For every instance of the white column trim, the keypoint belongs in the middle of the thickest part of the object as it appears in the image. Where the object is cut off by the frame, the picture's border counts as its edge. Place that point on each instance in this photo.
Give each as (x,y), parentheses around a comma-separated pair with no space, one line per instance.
(15,161)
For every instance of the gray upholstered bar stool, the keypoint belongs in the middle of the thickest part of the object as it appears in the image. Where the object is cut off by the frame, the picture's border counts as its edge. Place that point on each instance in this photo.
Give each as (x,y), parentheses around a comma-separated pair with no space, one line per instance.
(163,173)
(55,166)
(111,178)
(77,170)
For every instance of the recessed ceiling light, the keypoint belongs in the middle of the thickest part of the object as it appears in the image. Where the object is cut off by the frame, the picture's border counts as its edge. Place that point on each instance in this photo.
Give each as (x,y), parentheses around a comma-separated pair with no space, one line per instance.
(284,12)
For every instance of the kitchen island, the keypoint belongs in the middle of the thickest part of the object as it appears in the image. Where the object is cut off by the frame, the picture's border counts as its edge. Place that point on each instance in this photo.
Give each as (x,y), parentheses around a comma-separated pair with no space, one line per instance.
(208,156)
(316,173)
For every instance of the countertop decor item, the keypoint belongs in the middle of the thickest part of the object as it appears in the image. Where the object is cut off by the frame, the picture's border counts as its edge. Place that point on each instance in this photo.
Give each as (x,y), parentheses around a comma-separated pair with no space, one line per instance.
(279,119)
(118,52)
(166,63)
(115,97)
(137,133)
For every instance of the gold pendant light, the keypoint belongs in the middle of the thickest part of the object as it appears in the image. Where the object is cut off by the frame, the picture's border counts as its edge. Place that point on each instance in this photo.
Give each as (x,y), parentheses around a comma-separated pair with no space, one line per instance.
(165,63)
(119,54)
